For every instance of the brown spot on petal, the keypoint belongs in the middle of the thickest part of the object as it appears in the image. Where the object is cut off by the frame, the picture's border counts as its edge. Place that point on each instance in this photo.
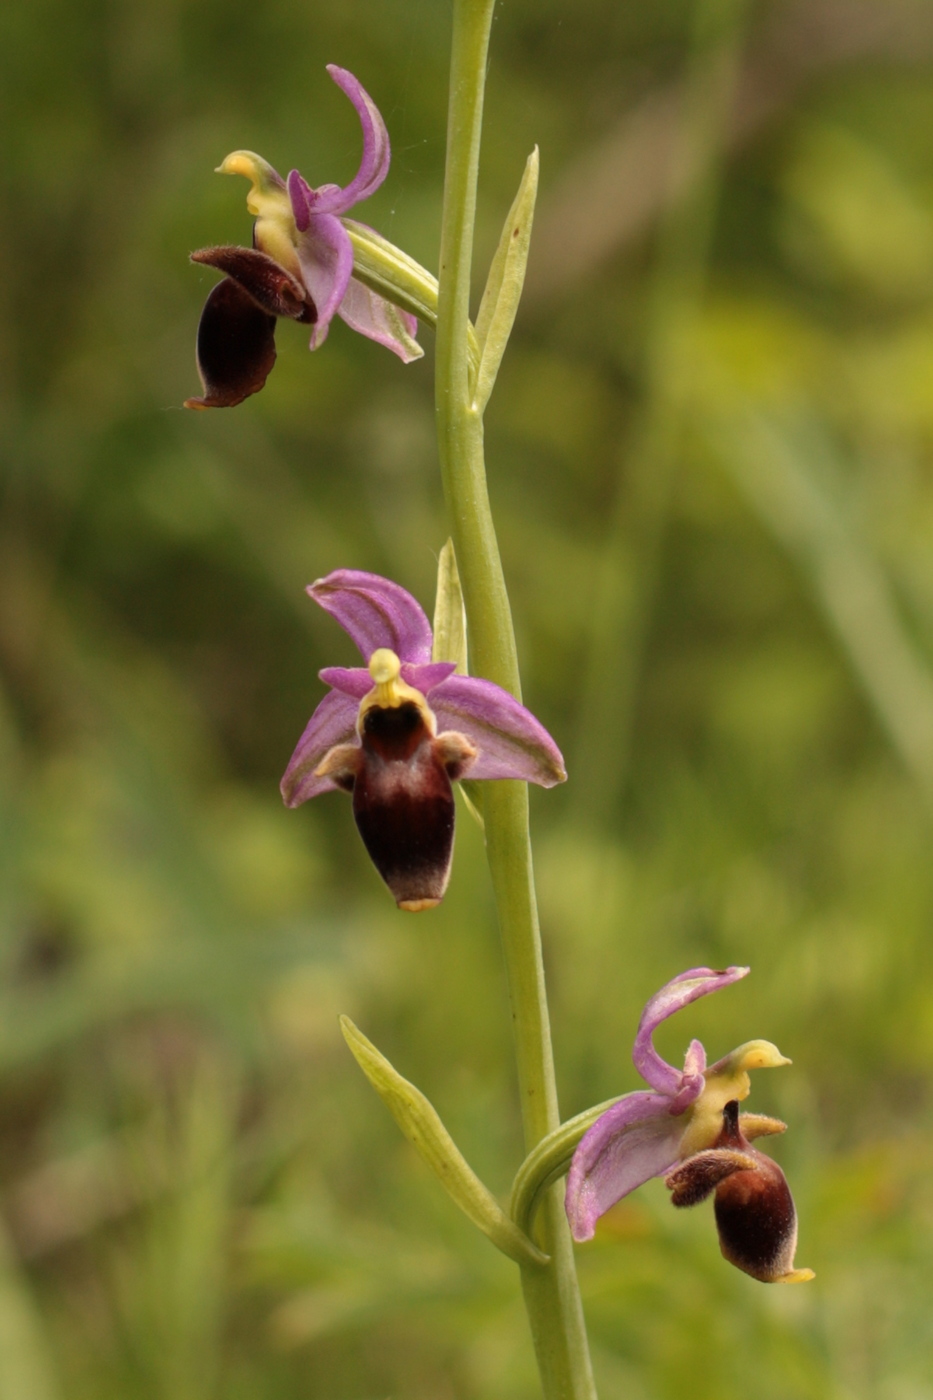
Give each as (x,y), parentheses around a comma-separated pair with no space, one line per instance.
(266,281)
(236,347)
(404,805)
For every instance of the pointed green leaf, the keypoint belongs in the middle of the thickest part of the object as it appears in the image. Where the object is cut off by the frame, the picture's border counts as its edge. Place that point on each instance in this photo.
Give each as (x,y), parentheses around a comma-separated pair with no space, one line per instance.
(504,284)
(472,794)
(419,1121)
(450,644)
(450,639)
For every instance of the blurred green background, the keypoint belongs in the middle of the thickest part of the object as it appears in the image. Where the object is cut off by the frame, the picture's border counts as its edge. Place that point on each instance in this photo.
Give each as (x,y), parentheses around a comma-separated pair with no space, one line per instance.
(711,460)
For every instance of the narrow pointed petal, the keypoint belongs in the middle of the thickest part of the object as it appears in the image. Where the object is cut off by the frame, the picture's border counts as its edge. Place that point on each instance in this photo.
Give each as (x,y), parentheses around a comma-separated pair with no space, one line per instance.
(633,1141)
(691,1085)
(267,282)
(375,612)
(236,347)
(377,153)
(756,1125)
(425,678)
(325,255)
(679,992)
(333,722)
(376,318)
(351,680)
(511,742)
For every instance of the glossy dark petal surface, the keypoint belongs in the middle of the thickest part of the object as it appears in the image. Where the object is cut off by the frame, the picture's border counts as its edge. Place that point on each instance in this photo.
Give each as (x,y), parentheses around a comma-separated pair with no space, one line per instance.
(404,806)
(236,347)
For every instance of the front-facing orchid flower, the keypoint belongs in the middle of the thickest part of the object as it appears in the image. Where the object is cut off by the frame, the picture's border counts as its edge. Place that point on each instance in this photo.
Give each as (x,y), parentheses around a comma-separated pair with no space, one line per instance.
(688,1128)
(396,732)
(300,266)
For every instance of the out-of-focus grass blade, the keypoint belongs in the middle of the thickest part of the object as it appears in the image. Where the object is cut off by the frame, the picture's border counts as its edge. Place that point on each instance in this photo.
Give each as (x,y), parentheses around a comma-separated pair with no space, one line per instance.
(772,466)
(26,1370)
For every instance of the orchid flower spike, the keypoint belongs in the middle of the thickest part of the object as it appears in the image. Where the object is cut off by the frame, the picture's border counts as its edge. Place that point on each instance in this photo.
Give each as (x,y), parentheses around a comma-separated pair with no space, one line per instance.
(688,1128)
(300,266)
(398,730)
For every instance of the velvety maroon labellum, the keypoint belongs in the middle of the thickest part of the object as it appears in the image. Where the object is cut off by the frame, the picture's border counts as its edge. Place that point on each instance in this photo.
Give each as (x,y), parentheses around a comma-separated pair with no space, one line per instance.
(236,347)
(754,1209)
(269,284)
(404,805)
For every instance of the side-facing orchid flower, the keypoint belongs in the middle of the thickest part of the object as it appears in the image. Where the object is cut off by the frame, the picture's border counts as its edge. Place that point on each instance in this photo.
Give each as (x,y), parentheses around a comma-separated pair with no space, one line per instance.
(398,730)
(300,266)
(688,1128)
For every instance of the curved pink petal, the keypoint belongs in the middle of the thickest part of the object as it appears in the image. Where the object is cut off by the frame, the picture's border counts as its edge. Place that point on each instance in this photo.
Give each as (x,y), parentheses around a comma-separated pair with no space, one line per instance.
(677,993)
(379,320)
(351,680)
(511,742)
(633,1141)
(333,722)
(375,612)
(325,255)
(303,199)
(374,166)
(425,678)
(691,1082)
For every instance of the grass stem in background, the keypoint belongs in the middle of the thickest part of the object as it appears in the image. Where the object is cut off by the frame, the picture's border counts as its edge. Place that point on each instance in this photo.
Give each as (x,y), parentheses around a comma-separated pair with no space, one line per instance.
(627,574)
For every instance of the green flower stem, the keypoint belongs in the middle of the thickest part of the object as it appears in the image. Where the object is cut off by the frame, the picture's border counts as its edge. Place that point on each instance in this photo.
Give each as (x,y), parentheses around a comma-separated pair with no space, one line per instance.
(551,1294)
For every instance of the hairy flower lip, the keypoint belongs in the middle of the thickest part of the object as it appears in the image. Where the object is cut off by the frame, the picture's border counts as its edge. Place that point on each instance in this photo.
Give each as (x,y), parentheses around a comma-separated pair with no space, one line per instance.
(300,267)
(468,725)
(688,1129)
(270,285)
(755,1214)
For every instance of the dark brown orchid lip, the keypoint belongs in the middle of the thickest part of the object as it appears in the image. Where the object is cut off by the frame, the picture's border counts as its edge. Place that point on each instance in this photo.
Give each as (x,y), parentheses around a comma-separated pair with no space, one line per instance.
(236,333)
(236,347)
(404,805)
(270,285)
(754,1209)
(400,778)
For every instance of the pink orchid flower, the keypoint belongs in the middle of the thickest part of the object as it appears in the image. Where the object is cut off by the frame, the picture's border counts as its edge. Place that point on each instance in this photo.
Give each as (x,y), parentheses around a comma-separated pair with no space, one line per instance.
(688,1129)
(300,266)
(397,731)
